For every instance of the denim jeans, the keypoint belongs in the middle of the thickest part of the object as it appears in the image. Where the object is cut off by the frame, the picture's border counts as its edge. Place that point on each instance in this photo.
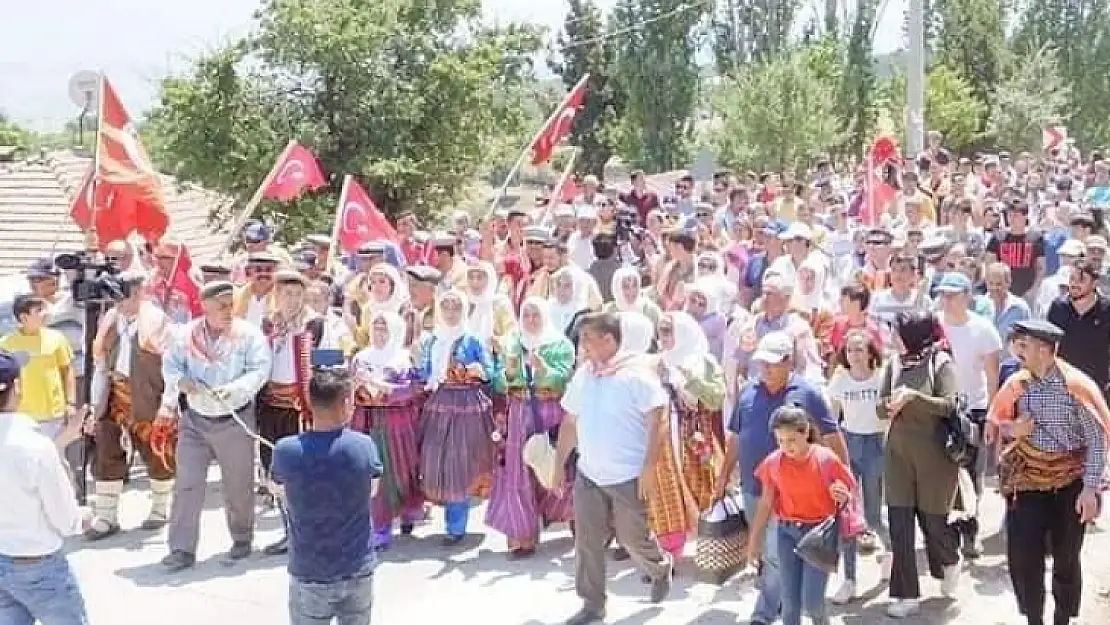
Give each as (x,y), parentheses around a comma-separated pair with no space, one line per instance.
(769,602)
(347,601)
(45,591)
(865,453)
(803,585)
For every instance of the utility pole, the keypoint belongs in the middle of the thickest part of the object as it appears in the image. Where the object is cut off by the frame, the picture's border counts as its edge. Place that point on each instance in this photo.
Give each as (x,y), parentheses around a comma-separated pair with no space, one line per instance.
(915,79)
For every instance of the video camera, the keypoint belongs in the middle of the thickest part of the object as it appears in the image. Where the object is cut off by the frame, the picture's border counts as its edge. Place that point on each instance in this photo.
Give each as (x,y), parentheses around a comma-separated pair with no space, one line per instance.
(627,223)
(94,281)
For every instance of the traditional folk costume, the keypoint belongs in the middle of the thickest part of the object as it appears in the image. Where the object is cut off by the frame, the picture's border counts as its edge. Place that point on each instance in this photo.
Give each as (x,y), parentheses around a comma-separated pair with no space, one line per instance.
(387,398)
(491,313)
(127,391)
(638,304)
(696,386)
(519,506)
(1043,474)
(374,301)
(456,455)
(283,406)
(567,308)
(712,323)
(669,289)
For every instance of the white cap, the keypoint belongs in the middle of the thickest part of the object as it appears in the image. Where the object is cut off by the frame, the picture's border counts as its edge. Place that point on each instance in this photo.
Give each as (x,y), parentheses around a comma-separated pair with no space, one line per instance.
(774,348)
(587,211)
(797,230)
(1071,247)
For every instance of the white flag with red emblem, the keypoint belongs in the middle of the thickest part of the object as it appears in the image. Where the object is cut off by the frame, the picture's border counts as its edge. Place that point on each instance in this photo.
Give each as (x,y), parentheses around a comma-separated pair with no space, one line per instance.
(358,220)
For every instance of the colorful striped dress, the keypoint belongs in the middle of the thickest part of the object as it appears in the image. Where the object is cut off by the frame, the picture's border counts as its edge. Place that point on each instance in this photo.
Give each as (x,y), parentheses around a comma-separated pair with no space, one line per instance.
(519,506)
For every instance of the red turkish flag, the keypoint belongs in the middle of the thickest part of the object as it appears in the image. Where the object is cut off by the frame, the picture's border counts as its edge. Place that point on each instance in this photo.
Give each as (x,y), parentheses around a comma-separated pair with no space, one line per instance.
(177,294)
(80,209)
(296,171)
(878,194)
(359,220)
(559,125)
(127,195)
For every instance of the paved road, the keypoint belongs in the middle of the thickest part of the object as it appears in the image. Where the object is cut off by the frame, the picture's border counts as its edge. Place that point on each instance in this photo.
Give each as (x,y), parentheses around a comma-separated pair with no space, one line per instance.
(420,583)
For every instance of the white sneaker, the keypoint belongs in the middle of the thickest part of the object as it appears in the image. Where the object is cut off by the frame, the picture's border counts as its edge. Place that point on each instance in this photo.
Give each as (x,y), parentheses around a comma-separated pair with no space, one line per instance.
(901,608)
(951,581)
(845,593)
(886,562)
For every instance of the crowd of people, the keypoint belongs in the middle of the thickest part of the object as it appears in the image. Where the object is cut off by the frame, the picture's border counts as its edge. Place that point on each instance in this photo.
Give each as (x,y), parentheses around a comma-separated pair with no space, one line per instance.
(756,333)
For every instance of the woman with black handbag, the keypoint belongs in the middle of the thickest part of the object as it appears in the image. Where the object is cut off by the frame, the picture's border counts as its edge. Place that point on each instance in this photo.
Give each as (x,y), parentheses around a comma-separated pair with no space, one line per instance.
(919,391)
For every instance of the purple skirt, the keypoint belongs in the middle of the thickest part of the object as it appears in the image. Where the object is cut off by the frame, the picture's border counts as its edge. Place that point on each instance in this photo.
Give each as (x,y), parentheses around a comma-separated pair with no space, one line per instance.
(456,450)
(395,430)
(518,505)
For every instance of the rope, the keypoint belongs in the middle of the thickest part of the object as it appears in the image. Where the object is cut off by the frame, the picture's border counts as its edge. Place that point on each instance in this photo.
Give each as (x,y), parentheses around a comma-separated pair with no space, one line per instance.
(234,415)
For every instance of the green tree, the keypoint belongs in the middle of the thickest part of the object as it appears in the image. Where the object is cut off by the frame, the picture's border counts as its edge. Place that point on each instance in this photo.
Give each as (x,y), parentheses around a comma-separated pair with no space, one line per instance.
(583,48)
(658,77)
(406,95)
(1031,95)
(856,105)
(747,31)
(971,40)
(950,106)
(780,113)
(11,135)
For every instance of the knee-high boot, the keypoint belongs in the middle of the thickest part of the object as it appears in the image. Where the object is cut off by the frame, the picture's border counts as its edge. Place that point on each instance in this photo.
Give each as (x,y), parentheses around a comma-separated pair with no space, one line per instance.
(106,510)
(160,491)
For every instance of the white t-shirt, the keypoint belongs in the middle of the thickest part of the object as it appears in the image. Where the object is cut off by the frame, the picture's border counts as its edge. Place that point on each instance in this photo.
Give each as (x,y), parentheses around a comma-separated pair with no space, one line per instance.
(972,343)
(612,419)
(859,399)
(256,310)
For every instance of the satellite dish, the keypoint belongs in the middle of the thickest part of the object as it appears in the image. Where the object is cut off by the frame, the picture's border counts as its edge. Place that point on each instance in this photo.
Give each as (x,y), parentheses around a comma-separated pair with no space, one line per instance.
(84,89)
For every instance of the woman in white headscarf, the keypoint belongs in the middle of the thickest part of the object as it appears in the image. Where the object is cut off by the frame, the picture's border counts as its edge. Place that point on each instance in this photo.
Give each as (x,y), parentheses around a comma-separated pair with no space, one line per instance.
(628,295)
(701,304)
(569,300)
(491,314)
(713,269)
(387,291)
(539,362)
(637,332)
(387,407)
(693,379)
(457,452)
(810,302)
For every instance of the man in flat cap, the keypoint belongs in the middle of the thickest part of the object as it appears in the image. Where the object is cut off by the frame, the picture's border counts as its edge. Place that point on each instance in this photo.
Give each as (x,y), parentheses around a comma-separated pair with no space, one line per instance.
(214,272)
(213,373)
(420,315)
(293,330)
(254,301)
(1052,421)
(446,260)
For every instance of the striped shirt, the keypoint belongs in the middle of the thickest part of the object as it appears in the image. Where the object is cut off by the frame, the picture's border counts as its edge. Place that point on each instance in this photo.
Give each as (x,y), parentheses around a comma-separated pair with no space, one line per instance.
(1061,423)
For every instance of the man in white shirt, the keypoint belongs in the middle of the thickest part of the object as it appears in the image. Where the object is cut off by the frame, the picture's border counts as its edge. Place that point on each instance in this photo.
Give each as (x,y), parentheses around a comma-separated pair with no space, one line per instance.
(580,243)
(39,512)
(976,353)
(615,408)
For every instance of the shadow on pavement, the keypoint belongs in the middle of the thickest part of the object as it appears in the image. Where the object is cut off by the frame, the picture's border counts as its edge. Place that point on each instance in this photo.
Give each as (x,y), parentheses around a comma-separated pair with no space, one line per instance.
(153,574)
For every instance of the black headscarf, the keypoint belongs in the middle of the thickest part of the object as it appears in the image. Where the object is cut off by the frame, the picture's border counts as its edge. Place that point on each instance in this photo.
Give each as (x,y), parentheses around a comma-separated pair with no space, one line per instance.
(921,335)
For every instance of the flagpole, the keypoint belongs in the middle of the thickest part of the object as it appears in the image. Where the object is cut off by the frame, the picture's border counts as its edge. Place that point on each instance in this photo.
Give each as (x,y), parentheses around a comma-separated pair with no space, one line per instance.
(334,248)
(255,200)
(91,242)
(524,151)
(557,192)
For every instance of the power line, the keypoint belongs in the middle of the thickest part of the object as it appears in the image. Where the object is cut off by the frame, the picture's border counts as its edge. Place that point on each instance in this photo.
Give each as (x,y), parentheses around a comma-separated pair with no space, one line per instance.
(682,8)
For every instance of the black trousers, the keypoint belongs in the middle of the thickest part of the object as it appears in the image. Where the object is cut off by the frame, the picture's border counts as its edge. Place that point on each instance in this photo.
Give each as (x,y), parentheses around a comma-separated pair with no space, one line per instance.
(969,528)
(275,424)
(1036,523)
(941,544)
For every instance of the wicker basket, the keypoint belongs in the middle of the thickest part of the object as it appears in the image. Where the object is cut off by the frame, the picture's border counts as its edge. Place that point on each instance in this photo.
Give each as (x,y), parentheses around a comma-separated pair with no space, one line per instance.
(720,546)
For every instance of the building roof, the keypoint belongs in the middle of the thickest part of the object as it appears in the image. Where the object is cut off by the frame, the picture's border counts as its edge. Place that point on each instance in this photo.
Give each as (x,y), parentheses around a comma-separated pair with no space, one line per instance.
(35,197)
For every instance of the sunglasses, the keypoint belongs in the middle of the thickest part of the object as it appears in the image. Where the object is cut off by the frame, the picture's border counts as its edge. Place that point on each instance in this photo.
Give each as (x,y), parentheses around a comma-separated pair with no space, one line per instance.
(260,271)
(707,266)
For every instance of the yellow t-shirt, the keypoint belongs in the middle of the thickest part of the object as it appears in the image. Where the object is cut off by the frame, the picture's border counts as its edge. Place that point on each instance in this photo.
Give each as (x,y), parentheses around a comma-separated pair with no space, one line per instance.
(41,382)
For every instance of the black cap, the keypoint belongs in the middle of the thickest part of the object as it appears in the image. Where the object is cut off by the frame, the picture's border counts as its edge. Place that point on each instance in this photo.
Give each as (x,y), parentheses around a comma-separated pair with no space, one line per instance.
(262,257)
(216,268)
(288,276)
(1039,329)
(877,234)
(373,248)
(43,268)
(516,212)
(424,273)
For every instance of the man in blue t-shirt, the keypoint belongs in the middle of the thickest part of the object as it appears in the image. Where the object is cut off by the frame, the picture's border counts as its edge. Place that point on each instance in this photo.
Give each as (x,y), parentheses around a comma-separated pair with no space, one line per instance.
(327,476)
(750,440)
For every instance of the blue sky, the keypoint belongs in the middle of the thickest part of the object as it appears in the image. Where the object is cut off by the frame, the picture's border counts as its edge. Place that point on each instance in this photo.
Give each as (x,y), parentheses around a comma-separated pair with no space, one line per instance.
(45,42)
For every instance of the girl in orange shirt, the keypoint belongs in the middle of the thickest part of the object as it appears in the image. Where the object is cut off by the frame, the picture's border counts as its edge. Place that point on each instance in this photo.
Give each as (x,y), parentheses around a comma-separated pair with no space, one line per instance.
(803,483)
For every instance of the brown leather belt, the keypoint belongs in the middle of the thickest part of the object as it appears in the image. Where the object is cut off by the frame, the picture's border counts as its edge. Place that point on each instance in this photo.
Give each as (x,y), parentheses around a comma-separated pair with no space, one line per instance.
(27,559)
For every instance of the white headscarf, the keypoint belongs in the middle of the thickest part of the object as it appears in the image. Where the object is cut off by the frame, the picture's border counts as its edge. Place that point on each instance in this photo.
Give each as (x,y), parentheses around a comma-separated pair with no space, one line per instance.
(397,297)
(636,332)
(374,360)
(563,313)
(445,336)
(690,345)
(548,332)
(708,287)
(481,316)
(810,301)
(619,276)
(724,291)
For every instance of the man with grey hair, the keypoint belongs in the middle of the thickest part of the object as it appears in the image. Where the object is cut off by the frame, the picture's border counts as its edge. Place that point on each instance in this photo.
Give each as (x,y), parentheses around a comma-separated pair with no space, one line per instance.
(775,315)
(213,371)
(1008,308)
